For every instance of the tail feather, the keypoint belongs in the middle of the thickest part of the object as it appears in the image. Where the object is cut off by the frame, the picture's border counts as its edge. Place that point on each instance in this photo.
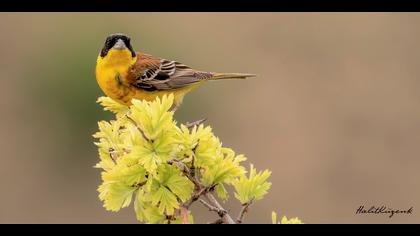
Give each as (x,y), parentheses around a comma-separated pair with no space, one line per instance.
(217,76)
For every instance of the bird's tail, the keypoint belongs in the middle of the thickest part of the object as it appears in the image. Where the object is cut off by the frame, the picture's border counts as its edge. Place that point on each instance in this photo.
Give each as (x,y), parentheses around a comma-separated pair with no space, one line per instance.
(217,76)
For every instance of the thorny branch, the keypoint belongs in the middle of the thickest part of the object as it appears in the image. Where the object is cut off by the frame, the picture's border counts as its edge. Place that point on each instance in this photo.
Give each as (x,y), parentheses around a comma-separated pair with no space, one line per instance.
(185,170)
(220,212)
(195,123)
(195,197)
(213,204)
(226,217)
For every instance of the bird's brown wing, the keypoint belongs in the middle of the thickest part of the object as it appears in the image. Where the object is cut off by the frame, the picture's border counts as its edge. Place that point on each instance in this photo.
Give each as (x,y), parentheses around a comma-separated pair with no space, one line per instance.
(152,73)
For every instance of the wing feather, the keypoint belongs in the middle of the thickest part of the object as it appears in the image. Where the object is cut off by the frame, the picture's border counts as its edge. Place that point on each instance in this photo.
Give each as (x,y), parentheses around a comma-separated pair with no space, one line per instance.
(153,73)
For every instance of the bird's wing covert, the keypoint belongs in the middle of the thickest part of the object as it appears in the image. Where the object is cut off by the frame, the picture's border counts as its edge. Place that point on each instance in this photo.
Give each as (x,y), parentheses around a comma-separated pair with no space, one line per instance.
(152,73)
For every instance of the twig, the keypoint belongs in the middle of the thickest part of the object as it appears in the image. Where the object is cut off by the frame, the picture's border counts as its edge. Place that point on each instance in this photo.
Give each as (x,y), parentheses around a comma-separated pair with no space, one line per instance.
(217,222)
(214,205)
(195,197)
(245,208)
(221,212)
(184,215)
(195,123)
(226,217)
(200,190)
(185,170)
(192,163)
(138,128)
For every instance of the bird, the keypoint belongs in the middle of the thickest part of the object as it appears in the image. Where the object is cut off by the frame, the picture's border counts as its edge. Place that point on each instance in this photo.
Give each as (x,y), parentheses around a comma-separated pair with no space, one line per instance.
(124,74)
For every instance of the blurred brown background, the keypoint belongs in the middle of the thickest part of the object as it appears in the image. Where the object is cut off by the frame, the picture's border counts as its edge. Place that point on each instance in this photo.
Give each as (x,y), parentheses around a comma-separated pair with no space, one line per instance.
(334,112)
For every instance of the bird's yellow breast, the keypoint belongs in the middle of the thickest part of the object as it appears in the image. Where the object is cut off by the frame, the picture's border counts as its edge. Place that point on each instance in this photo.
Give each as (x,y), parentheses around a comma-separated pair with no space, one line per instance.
(111,72)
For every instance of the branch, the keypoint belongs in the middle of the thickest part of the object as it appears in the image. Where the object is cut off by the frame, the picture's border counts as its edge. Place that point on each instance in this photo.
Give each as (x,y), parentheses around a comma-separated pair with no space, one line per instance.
(185,170)
(214,204)
(217,222)
(221,212)
(226,217)
(195,197)
(184,215)
(245,208)
(195,123)
(200,190)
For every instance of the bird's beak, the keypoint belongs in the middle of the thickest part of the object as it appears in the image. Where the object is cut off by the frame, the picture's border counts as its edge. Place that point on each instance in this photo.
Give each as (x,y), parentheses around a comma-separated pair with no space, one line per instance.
(119,45)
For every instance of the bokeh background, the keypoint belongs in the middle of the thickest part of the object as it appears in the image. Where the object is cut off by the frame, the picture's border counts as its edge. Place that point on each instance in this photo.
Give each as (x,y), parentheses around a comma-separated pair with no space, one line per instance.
(334,112)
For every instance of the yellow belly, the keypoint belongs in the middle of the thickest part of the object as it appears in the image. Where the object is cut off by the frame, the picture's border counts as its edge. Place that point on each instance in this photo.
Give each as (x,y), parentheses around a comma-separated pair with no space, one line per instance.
(124,93)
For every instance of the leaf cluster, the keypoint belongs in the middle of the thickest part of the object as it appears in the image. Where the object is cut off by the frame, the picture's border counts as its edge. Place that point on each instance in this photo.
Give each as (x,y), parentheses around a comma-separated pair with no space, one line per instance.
(147,159)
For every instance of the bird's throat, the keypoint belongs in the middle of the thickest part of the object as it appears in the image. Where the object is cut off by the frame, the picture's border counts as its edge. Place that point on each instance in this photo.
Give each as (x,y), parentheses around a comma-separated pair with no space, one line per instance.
(116,58)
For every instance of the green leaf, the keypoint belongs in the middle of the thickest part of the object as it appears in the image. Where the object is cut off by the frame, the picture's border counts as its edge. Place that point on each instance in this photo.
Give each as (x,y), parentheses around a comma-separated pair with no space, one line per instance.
(134,150)
(111,105)
(146,157)
(274,217)
(126,171)
(151,155)
(171,177)
(139,205)
(133,175)
(106,162)
(109,138)
(165,200)
(115,195)
(291,221)
(224,169)
(222,192)
(153,215)
(253,187)
(145,211)
(153,118)
(169,186)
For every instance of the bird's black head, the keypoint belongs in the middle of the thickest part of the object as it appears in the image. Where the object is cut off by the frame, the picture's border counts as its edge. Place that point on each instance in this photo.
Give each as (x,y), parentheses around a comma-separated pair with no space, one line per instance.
(119,42)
